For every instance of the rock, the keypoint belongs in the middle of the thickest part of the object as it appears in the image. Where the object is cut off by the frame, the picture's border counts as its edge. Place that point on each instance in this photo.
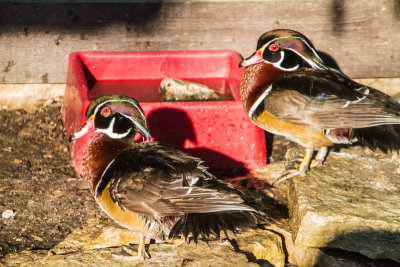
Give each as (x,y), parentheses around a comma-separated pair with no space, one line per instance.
(270,174)
(179,90)
(213,253)
(94,235)
(350,203)
(306,256)
(7,214)
(112,237)
(93,244)
(265,246)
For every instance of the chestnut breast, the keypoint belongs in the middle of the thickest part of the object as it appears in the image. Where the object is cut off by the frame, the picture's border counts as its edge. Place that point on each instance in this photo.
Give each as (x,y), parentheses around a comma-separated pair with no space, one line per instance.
(255,80)
(100,152)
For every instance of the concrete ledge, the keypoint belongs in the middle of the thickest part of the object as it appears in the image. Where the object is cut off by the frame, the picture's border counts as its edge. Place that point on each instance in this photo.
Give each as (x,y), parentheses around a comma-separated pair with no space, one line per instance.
(26,96)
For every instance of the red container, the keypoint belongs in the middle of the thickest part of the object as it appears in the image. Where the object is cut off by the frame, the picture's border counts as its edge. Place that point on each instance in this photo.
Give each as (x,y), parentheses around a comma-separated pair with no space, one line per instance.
(220,133)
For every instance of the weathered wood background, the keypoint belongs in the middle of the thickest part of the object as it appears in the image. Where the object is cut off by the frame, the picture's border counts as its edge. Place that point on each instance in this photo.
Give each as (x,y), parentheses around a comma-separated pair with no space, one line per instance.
(35,39)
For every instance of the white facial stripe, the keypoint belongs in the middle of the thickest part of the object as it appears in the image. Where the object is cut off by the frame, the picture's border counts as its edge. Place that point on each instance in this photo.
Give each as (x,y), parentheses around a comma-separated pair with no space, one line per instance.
(309,46)
(278,64)
(259,100)
(309,61)
(312,63)
(292,69)
(111,126)
(110,131)
(295,37)
(139,126)
(114,135)
(273,40)
(81,132)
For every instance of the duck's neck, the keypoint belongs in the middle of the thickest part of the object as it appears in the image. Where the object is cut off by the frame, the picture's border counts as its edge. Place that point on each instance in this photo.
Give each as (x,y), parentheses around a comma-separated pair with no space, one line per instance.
(101,151)
(256,79)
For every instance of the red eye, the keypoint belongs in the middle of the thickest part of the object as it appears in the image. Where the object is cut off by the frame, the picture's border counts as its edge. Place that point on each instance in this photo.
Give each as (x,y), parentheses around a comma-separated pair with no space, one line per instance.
(273,47)
(106,111)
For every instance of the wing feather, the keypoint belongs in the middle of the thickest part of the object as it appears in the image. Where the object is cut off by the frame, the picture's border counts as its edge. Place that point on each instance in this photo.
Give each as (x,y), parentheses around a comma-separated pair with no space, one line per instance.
(161,181)
(322,99)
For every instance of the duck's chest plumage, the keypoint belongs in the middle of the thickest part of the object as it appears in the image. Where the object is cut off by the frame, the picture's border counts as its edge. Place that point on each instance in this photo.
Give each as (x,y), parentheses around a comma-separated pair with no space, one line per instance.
(99,158)
(98,155)
(260,104)
(255,81)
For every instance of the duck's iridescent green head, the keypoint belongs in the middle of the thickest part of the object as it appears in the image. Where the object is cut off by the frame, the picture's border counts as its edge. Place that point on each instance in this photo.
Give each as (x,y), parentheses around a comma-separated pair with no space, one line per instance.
(286,50)
(116,116)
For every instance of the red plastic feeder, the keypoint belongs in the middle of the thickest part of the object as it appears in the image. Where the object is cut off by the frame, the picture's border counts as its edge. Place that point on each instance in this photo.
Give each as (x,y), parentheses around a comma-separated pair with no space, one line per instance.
(218,132)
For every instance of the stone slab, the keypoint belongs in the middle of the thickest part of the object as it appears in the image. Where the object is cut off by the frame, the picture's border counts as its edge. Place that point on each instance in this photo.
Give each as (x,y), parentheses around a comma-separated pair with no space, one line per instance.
(350,203)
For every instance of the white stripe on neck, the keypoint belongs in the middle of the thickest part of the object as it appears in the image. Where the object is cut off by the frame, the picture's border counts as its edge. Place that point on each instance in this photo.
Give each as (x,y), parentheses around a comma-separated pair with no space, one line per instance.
(259,100)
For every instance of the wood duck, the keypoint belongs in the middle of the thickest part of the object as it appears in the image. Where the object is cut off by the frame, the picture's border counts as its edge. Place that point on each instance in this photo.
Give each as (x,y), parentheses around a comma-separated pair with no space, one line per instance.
(152,188)
(287,90)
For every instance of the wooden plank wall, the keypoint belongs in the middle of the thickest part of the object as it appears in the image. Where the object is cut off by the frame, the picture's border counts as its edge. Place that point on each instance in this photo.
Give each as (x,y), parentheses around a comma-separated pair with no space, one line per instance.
(35,39)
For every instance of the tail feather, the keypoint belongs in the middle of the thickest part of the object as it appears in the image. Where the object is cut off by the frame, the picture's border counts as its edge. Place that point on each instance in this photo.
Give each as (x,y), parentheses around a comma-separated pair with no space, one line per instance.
(211,224)
(385,137)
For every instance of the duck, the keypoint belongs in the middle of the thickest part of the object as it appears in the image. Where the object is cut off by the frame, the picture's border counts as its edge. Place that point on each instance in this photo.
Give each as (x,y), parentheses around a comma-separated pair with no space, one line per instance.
(288,90)
(151,188)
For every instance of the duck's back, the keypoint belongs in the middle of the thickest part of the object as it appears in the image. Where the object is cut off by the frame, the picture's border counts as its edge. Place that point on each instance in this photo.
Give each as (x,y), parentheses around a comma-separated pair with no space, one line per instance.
(159,191)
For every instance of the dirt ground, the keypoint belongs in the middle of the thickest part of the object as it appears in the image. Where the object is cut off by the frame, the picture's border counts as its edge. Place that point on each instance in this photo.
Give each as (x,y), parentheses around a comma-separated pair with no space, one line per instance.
(34,160)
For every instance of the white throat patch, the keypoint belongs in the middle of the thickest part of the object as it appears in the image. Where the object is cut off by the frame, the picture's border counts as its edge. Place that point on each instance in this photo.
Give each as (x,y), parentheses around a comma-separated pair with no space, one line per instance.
(278,64)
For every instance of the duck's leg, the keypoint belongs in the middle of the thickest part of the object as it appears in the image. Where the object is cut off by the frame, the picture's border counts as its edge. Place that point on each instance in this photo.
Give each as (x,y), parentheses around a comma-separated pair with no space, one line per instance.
(320,157)
(297,169)
(142,248)
(129,253)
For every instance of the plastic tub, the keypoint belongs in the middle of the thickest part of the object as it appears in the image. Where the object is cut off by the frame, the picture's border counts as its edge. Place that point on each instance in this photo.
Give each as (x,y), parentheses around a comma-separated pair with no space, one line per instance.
(219,132)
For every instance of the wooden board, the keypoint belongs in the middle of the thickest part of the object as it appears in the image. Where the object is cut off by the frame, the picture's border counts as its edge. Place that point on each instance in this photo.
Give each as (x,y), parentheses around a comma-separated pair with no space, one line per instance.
(35,39)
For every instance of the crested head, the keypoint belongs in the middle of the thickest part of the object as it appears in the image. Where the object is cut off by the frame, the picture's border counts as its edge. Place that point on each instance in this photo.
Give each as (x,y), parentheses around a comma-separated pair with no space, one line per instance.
(116,100)
(116,116)
(277,34)
(285,49)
